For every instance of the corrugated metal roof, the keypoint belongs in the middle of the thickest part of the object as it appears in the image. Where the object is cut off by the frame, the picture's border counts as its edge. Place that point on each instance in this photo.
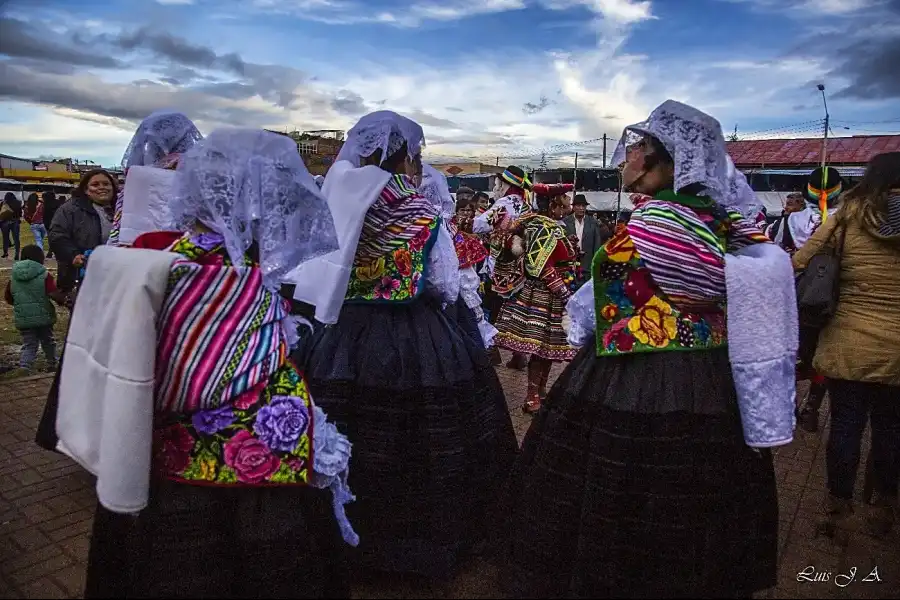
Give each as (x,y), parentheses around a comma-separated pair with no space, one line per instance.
(856,150)
(845,171)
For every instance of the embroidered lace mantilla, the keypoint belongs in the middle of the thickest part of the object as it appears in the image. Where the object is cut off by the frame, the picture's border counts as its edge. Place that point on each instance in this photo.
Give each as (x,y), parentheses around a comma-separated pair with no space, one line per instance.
(693,139)
(659,284)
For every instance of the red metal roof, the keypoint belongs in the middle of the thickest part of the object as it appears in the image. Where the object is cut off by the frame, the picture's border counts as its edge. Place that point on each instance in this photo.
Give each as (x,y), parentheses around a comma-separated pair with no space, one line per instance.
(856,150)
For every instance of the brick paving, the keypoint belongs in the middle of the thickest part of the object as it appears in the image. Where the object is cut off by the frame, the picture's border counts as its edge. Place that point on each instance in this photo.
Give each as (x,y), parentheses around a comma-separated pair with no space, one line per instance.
(46,506)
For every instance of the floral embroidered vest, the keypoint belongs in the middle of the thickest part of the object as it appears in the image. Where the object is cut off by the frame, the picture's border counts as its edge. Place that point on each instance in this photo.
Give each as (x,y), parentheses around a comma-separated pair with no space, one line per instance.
(659,283)
(392,257)
(231,409)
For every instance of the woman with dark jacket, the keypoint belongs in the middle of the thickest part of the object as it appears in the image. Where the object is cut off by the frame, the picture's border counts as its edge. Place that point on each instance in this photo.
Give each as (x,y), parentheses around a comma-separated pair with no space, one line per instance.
(83,224)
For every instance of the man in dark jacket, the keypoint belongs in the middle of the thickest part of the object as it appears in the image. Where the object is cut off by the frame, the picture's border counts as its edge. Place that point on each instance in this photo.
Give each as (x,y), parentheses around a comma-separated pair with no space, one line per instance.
(76,229)
(588,231)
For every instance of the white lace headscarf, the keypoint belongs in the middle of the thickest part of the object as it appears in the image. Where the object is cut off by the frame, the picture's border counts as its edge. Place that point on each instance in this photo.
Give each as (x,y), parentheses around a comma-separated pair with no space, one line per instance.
(251,185)
(383,130)
(692,138)
(741,196)
(160,134)
(435,188)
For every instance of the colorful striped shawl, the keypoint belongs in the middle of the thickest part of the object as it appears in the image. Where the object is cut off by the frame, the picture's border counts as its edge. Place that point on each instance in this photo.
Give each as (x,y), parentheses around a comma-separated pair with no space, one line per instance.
(684,248)
(398,216)
(220,334)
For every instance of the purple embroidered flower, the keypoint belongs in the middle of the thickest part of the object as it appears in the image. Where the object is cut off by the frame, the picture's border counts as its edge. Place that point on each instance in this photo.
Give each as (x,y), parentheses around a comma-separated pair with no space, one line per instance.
(208,422)
(386,287)
(281,423)
(208,241)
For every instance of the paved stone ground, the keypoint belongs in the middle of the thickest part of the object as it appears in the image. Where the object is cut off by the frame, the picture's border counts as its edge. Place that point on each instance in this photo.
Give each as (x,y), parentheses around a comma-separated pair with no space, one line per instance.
(46,505)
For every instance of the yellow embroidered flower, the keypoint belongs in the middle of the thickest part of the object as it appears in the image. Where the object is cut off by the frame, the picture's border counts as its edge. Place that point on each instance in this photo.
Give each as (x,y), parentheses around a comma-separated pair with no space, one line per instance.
(208,469)
(371,271)
(654,324)
(609,312)
(620,248)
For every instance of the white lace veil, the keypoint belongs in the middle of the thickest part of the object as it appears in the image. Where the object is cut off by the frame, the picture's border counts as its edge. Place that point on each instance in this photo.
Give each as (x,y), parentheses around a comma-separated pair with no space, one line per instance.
(435,188)
(693,139)
(160,134)
(383,130)
(741,196)
(251,185)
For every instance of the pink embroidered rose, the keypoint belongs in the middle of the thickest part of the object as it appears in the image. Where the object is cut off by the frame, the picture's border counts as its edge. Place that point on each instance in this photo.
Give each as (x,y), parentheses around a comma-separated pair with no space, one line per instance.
(385,288)
(251,459)
(418,243)
(172,447)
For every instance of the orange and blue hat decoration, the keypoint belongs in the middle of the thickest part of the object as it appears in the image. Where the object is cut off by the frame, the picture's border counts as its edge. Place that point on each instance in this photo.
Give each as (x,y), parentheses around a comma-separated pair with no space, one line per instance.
(824,187)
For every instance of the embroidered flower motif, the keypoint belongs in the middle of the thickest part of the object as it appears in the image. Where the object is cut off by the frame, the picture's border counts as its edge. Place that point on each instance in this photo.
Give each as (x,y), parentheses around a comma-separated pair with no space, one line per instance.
(281,423)
(686,333)
(250,458)
(620,248)
(386,287)
(639,287)
(701,331)
(371,271)
(624,341)
(418,243)
(654,324)
(208,422)
(403,260)
(609,312)
(249,398)
(173,445)
(414,284)
(616,293)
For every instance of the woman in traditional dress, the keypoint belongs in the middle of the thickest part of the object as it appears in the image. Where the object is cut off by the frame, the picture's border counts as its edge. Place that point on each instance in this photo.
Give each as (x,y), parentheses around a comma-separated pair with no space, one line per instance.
(157,142)
(510,203)
(635,479)
(181,399)
(433,440)
(530,322)
(466,311)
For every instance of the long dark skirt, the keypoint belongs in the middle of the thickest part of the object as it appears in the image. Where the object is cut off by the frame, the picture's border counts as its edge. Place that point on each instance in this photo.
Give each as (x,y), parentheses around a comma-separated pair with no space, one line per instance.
(46,437)
(634,481)
(208,542)
(432,438)
(464,317)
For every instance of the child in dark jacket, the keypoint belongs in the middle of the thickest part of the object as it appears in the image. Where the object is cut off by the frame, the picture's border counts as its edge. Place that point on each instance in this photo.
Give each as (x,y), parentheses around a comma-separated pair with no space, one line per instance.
(30,291)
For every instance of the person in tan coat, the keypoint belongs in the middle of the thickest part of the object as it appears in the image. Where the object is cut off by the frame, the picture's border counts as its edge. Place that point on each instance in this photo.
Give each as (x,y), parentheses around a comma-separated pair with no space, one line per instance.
(859,349)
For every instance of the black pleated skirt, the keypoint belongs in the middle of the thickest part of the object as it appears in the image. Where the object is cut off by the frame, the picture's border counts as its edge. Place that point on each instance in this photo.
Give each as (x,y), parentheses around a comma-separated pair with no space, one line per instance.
(634,482)
(432,438)
(209,542)
(464,317)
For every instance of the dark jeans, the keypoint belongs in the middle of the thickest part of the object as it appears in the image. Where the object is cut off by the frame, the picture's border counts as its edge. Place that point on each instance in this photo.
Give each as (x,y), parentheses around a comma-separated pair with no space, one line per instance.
(10,228)
(851,404)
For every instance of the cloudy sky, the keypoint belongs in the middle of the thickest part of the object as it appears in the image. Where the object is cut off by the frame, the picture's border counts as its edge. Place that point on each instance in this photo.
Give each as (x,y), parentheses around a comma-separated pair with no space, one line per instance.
(486,78)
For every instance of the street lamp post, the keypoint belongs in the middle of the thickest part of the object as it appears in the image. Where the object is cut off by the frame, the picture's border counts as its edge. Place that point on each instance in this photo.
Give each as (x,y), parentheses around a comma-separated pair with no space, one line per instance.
(821,88)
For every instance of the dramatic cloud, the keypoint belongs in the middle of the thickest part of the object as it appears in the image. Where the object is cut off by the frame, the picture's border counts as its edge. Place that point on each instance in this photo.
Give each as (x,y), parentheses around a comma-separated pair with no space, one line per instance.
(22,40)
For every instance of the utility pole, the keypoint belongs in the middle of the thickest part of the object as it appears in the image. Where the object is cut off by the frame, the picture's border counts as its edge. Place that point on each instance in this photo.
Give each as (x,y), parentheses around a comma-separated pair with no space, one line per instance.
(498,161)
(575,178)
(604,151)
(824,209)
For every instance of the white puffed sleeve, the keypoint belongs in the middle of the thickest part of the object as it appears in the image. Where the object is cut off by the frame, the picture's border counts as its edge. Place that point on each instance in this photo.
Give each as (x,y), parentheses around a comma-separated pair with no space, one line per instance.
(469,282)
(582,315)
(442,277)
